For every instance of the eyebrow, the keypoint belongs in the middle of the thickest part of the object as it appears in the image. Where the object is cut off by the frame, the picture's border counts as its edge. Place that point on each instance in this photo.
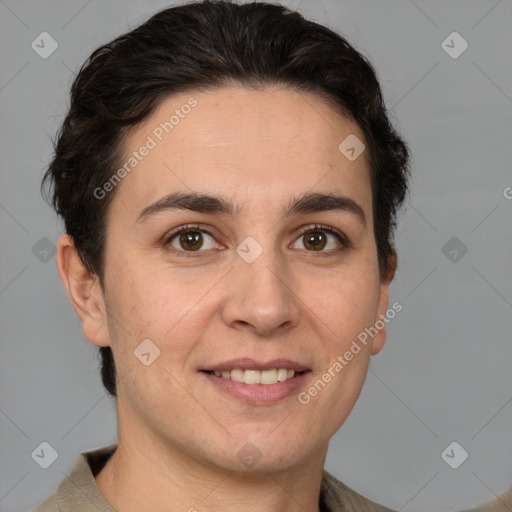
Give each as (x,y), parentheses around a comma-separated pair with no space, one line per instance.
(206,203)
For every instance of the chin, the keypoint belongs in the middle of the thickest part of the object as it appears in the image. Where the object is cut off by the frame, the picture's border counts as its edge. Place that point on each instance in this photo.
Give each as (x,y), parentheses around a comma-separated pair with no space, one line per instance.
(259,454)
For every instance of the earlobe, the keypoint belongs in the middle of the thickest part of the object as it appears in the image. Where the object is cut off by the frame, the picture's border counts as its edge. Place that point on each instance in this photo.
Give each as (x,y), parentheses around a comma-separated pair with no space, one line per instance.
(380,338)
(84,291)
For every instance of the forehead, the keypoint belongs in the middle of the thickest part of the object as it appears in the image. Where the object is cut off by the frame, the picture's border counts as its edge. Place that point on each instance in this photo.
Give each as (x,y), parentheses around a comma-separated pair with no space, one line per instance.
(264,145)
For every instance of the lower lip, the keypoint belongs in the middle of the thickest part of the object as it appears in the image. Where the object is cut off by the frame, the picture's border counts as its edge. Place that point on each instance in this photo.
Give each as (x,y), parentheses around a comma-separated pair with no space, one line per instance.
(259,393)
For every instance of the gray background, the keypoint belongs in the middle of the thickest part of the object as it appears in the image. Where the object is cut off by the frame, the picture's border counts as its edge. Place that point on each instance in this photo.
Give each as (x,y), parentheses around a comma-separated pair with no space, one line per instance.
(444,374)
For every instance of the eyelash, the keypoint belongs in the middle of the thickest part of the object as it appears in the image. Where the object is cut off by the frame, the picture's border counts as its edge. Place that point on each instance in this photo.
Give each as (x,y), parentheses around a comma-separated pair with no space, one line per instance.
(345,244)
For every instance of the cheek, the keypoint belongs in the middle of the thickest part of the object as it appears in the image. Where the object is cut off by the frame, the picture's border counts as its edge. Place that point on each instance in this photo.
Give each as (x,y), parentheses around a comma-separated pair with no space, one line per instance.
(150,316)
(158,305)
(346,306)
(150,301)
(346,311)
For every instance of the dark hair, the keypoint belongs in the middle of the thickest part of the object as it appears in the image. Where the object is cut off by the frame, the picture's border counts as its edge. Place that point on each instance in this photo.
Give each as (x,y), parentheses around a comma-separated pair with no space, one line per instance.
(200,46)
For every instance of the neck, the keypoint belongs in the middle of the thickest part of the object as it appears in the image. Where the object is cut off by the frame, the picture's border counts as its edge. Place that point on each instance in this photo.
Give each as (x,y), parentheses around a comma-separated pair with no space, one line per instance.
(143,476)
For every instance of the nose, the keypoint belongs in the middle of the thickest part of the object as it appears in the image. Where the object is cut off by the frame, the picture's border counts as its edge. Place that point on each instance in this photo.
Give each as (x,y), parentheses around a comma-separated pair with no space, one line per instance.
(262,300)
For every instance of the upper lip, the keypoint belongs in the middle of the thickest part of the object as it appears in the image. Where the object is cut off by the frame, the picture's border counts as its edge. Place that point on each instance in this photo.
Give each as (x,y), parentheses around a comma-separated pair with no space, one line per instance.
(247,363)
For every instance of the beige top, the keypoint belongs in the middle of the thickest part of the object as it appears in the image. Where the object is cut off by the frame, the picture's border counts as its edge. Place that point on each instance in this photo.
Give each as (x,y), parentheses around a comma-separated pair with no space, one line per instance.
(79,492)
(503,503)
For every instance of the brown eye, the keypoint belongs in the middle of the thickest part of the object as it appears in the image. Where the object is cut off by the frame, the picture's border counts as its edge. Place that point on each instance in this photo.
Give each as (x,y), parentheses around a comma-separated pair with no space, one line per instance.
(188,239)
(191,240)
(315,240)
(318,237)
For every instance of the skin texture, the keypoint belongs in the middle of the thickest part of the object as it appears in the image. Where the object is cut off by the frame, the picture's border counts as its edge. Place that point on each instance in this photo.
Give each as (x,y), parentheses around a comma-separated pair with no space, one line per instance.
(178,434)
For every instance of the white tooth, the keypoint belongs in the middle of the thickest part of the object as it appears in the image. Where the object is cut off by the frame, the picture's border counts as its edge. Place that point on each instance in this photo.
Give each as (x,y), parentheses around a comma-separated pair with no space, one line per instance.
(237,375)
(252,376)
(255,376)
(269,376)
(282,374)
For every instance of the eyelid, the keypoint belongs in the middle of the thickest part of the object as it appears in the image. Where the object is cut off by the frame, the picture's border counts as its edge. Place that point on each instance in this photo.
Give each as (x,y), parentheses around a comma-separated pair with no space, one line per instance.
(184,229)
(333,231)
(342,238)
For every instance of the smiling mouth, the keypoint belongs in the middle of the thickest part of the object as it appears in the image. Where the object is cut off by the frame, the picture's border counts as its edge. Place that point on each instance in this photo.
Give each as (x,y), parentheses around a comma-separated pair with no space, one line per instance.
(265,377)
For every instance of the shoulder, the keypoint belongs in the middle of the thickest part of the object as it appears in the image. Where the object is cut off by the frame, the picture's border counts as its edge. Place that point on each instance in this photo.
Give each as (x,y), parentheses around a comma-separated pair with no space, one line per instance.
(340,498)
(49,505)
(502,503)
(78,491)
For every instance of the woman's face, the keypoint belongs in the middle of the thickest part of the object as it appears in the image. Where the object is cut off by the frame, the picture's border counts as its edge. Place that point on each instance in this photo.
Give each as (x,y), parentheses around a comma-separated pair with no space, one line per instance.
(255,288)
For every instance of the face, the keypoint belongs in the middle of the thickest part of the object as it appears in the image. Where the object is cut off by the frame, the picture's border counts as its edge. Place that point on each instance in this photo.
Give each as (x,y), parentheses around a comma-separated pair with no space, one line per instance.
(257,279)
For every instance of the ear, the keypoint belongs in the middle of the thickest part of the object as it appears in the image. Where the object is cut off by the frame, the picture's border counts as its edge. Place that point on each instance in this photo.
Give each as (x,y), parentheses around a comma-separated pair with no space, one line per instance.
(380,338)
(84,290)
